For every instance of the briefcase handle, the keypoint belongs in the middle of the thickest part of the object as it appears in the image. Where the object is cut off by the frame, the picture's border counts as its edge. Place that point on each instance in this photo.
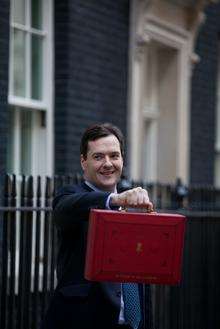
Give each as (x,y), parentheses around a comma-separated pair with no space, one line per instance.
(142,210)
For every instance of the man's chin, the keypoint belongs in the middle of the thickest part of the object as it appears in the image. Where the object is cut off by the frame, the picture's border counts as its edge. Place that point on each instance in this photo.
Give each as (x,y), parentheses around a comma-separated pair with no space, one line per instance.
(108,186)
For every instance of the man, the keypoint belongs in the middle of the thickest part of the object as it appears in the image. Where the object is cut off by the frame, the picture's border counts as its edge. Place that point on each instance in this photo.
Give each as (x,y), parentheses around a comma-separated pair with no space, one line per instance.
(78,303)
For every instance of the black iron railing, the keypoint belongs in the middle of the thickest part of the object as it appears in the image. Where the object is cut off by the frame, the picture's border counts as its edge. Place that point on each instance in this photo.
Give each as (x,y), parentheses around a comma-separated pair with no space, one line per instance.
(28,251)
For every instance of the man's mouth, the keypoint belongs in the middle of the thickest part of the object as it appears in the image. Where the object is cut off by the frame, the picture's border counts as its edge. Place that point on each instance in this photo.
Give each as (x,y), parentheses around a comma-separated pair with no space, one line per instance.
(107,173)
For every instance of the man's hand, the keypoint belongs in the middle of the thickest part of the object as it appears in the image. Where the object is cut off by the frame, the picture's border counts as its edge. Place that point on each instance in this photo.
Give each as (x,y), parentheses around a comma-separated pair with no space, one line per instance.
(134,198)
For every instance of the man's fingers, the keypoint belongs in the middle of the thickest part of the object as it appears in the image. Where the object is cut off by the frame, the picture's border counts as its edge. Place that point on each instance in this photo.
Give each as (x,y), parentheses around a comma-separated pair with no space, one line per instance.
(137,197)
(134,198)
(150,207)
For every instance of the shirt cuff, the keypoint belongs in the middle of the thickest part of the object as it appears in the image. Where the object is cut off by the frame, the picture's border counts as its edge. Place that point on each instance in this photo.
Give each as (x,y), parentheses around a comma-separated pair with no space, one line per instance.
(108,205)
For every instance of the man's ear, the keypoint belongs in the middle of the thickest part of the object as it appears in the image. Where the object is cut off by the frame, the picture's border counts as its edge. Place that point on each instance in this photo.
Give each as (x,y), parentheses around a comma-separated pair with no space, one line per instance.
(82,161)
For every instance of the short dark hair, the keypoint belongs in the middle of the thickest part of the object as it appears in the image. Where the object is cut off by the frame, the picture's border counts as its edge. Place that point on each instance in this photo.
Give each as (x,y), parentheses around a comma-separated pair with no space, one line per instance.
(97,131)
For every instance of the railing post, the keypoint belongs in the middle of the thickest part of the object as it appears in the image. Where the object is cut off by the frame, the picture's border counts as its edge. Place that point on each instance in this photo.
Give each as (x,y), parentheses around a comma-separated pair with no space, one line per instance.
(4,255)
(38,232)
(47,244)
(12,252)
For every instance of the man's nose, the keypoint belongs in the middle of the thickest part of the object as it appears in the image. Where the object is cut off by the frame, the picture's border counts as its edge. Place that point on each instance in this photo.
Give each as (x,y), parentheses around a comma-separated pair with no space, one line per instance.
(107,162)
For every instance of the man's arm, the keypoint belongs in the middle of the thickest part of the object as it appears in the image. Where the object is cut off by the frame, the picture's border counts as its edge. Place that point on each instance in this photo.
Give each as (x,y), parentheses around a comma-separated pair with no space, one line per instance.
(72,206)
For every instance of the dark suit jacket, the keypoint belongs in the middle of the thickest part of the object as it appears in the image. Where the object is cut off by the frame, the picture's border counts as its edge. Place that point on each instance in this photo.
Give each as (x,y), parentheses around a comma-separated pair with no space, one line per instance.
(78,303)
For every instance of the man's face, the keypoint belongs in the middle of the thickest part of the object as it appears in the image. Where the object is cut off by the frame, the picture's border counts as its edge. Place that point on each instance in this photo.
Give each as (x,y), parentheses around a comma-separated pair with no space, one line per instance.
(103,165)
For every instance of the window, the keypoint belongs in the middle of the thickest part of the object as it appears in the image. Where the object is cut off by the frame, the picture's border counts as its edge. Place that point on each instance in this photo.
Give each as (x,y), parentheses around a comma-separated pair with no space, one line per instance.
(30,87)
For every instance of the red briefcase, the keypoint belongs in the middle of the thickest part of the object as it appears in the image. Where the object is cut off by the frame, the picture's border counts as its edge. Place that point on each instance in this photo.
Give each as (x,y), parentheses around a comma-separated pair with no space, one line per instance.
(134,247)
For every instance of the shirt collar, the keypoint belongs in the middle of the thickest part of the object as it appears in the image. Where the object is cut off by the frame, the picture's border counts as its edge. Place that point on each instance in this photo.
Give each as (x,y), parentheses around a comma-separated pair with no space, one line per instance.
(94,188)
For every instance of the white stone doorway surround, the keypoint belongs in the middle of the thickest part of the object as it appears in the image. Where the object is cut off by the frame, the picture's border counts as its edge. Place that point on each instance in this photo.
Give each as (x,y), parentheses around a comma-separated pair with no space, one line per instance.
(161,62)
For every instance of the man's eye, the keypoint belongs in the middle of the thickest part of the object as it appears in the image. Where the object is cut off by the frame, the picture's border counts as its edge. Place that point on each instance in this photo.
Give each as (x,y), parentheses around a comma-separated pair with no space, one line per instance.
(115,156)
(97,157)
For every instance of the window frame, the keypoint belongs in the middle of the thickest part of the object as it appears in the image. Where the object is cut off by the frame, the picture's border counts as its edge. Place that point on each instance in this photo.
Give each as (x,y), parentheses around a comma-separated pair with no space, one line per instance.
(47,103)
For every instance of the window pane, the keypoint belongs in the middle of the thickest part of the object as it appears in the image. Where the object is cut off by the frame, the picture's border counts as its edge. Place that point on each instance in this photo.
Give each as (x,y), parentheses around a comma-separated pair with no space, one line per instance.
(26,140)
(36,14)
(10,144)
(19,60)
(36,66)
(18,11)
(40,144)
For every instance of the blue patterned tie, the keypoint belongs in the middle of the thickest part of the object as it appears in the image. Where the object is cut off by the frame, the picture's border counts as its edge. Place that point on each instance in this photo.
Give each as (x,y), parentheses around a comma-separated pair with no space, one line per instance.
(132,308)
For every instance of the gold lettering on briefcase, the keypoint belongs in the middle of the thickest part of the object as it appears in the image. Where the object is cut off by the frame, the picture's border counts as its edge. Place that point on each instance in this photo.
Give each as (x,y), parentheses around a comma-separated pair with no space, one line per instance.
(139,247)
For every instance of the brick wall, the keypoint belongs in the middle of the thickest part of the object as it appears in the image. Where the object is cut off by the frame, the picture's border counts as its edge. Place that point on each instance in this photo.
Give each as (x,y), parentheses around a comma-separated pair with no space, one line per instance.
(91,61)
(4,55)
(203,105)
